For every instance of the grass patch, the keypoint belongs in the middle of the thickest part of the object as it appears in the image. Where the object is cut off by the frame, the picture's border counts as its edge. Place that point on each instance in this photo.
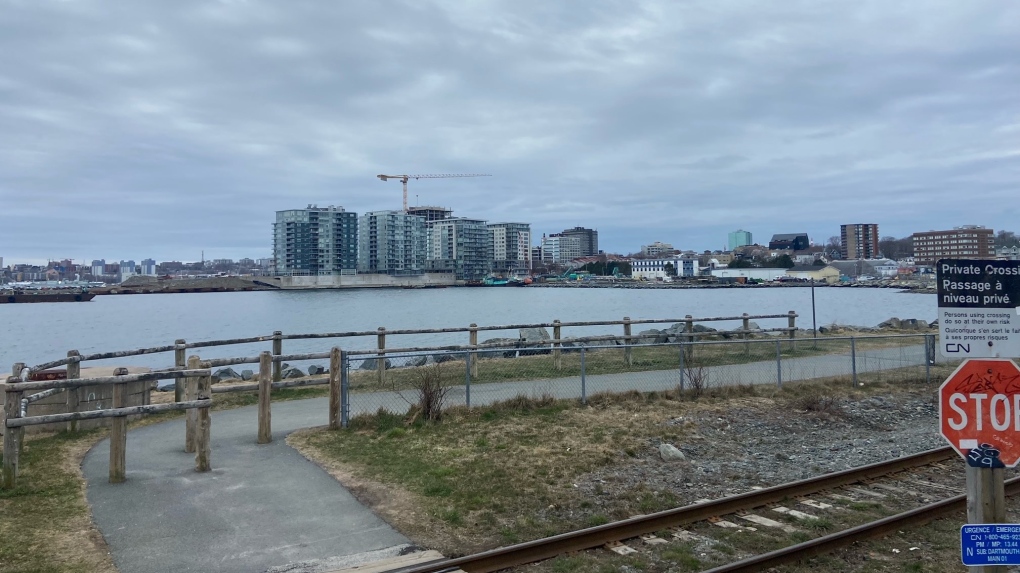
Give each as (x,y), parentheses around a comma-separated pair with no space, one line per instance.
(46,525)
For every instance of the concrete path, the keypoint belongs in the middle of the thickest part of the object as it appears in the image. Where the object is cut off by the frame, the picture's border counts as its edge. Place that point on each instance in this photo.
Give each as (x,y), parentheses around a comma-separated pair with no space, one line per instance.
(266,506)
(261,506)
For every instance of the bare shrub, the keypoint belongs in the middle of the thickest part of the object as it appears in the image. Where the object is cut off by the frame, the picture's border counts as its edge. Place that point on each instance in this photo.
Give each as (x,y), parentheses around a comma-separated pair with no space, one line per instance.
(695,378)
(430,394)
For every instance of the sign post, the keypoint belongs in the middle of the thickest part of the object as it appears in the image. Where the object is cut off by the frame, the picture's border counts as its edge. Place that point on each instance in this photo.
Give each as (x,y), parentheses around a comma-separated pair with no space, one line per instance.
(979,415)
(978,303)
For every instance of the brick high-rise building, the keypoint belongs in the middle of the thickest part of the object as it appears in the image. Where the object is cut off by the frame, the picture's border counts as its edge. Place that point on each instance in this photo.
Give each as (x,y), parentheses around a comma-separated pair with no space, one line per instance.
(966,242)
(858,241)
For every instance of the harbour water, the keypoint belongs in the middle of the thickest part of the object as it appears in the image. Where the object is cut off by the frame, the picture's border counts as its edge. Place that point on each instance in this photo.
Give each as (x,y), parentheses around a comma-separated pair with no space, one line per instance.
(35,333)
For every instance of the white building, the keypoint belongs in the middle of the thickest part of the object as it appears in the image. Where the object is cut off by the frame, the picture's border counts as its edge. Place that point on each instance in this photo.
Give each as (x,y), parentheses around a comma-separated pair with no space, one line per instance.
(750,274)
(148,267)
(127,270)
(656,269)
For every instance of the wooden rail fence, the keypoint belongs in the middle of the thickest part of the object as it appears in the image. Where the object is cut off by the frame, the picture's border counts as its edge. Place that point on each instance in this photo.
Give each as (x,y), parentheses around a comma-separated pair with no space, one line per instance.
(193,388)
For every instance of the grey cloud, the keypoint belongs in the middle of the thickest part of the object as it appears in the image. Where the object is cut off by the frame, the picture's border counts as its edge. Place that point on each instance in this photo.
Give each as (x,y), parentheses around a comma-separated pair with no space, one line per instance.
(185,125)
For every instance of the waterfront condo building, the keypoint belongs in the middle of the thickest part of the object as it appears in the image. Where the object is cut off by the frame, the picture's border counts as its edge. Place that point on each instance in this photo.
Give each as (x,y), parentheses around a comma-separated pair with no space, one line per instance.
(461,246)
(392,243)
(740,238)
(858,241)
(967,242)
(315,241)
(511,248)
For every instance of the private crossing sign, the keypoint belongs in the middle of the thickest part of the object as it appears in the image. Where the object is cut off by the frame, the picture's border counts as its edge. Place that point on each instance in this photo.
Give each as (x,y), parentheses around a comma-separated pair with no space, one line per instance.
(979,412)
(978,303)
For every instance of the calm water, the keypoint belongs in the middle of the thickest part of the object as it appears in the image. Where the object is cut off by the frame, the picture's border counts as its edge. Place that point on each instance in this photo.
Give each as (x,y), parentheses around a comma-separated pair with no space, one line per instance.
(35,333)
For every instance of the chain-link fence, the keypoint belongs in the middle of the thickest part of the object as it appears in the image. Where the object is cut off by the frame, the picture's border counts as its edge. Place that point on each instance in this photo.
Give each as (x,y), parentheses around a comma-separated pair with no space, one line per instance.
(478,377)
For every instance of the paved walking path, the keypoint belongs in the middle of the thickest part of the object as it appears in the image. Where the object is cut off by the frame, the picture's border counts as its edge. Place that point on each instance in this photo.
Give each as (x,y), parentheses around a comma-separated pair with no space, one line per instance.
(265,506)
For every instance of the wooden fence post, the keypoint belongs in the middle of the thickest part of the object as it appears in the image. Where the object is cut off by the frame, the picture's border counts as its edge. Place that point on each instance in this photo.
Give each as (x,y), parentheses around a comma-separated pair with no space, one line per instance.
(745,328)
(334,388)
(473,340)
(118,433)
(793,329)
(17,369)
(203,424)
(190,415)
(12,436)
(628,357)
(557,357)
(180,363)
(72,398)
(277,352)
(381,360)
(265,395)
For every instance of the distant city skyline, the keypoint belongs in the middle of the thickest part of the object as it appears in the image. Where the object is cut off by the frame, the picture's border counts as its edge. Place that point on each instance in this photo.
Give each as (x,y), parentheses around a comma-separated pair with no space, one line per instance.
(162,129)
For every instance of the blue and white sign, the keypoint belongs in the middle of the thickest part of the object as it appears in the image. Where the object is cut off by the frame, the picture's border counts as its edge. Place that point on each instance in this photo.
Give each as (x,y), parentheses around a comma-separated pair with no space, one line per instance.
(990,544)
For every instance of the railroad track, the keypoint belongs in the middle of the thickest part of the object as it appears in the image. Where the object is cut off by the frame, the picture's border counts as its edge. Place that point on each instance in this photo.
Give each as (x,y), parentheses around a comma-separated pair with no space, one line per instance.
(612,533)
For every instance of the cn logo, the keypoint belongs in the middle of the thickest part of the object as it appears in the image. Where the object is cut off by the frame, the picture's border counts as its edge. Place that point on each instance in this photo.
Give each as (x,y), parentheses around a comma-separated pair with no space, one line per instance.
(952,347)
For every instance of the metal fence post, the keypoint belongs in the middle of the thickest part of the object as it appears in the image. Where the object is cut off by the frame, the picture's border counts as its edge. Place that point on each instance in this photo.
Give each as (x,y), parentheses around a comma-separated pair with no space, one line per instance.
(180,363)
(628,356)
(584,383)
(853,359)
(683,374)
(467,379)
(929,347)
(779,364)
(277,353)
(345,396)
(557,358)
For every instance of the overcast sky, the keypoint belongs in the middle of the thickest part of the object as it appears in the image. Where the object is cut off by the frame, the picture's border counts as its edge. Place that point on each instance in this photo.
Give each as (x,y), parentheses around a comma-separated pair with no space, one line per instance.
(160,129)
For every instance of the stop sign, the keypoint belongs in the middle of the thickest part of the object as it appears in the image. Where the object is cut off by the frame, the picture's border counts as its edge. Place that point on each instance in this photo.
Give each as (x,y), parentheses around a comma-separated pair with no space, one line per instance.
(979,411)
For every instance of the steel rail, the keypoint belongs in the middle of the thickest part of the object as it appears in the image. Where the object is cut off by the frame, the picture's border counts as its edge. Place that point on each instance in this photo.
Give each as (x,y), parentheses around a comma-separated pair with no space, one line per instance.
(862,532)
(549,547)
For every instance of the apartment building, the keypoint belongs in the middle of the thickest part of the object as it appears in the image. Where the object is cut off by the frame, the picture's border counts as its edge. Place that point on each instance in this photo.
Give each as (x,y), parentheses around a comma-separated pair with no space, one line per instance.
(315,241)
(659,269)
(966,242)
(392,243)
(511,248)
(858,241)
(461,246)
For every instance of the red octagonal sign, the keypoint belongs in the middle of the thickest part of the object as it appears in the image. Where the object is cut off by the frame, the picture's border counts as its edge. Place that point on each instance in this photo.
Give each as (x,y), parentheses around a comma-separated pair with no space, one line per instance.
(979,412)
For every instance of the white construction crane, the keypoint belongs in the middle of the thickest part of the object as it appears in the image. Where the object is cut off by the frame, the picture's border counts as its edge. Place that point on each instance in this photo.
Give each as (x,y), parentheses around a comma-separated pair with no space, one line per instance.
(403,179)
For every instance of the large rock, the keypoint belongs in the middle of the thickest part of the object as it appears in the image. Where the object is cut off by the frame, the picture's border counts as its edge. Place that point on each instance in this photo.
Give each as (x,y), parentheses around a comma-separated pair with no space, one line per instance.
(893,323)
(225,374)
(291,373)
(670,453)
(247,375)
(914,324)
(315,369)
(533,335)
(416,361)
(444,357)
(372,364)
(653,336)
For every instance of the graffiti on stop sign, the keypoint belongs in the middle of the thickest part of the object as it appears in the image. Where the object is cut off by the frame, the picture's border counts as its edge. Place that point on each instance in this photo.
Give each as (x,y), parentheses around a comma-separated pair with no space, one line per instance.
(979,410)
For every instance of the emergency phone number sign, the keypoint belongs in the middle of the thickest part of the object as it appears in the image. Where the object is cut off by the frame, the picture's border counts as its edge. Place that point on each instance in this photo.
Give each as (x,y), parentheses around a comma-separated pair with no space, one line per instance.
(978,308)
(990,544)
